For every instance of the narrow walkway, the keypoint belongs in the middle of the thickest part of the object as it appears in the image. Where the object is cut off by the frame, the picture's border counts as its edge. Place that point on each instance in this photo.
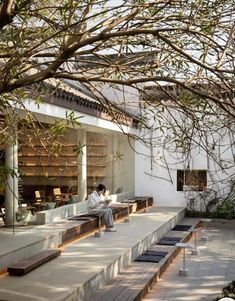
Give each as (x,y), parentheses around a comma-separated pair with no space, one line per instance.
(208,273)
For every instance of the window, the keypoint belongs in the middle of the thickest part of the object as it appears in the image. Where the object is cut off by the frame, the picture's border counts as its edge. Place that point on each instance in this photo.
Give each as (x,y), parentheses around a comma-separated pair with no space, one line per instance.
(192,179)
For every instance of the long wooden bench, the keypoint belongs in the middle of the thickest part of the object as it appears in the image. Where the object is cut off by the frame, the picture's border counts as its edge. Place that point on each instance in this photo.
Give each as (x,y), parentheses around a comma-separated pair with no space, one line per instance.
(87,223)
(24,266)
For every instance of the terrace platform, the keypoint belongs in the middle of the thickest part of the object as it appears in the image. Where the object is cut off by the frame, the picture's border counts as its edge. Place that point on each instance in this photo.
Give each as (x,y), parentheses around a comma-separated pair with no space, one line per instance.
(85,264)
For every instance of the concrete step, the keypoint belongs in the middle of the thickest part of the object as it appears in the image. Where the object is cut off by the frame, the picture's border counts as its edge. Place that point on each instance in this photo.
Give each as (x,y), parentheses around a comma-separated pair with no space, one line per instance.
(133,283)
(29,240)
(87,264)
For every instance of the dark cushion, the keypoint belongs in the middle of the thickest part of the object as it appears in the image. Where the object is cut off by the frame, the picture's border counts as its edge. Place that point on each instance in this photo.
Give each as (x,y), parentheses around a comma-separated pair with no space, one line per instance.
(149,258)
(169,241)
(181,228)
(155,253)
(177,239)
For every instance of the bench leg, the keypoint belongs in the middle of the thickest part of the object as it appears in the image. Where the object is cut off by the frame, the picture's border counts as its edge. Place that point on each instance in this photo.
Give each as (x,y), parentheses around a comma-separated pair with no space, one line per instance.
(127,219)
(99,233)
(183,271)
(146,210)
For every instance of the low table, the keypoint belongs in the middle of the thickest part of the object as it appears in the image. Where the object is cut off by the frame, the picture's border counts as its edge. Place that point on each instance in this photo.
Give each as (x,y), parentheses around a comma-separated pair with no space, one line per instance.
(182,245)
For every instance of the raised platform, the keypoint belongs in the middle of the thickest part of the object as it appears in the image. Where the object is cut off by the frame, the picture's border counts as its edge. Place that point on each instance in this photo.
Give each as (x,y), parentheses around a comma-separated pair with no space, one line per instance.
(85,264)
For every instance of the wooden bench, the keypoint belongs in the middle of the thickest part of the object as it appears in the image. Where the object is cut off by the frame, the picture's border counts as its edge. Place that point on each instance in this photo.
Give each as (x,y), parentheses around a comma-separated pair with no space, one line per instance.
(88,223)
(26,265)
(141,202)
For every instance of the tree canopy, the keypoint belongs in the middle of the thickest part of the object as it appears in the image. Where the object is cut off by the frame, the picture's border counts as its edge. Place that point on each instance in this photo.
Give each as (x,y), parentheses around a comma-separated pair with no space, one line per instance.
(181,43)
(193,42)
(177,54)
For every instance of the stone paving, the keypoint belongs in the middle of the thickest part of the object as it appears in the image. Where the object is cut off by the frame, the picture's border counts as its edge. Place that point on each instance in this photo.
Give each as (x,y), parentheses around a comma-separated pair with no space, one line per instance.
(209,271)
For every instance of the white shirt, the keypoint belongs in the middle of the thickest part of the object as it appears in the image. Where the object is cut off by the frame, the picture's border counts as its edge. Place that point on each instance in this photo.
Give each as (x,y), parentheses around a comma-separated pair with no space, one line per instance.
(94,200)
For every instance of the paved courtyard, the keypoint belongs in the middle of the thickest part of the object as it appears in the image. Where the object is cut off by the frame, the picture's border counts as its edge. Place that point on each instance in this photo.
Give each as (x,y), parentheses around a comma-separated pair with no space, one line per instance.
(208,272)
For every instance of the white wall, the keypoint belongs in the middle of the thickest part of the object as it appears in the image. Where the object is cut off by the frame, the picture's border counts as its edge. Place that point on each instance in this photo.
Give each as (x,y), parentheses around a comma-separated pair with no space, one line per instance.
(156,178)
(125,97)
(124,165)
(157,182)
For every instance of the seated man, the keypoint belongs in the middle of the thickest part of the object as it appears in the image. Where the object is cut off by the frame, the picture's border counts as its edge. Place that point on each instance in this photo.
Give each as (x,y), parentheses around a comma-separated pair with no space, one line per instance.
(98,205)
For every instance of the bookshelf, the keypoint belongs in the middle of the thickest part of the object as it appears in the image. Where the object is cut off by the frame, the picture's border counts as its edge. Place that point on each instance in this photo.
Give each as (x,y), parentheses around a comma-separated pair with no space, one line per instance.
(40,168)
(96,160)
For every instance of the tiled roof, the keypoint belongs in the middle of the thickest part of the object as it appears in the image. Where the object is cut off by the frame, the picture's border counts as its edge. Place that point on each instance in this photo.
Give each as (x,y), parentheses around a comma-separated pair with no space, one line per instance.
(166,92)
(69,100)
(133,59)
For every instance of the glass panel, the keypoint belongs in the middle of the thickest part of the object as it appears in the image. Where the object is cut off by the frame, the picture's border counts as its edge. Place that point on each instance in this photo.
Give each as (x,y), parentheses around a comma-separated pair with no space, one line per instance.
(193,179)
(43,169)
(110,161)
